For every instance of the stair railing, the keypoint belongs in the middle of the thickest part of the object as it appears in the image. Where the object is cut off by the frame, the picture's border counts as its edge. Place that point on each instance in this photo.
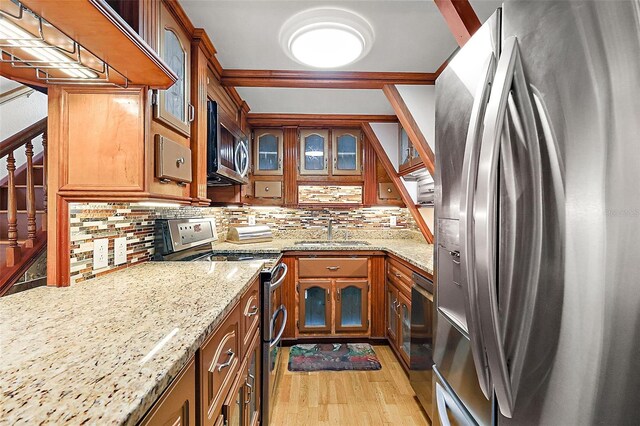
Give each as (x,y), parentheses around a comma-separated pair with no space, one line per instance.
(24,138)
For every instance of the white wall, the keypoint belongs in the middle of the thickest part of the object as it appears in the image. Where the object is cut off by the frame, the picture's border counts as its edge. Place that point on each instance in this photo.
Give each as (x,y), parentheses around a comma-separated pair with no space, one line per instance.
(421,102)
(387,134)
(18,114)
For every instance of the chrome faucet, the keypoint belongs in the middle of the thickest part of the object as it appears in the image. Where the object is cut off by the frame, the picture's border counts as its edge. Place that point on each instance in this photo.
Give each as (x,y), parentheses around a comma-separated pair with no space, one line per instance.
(330,230)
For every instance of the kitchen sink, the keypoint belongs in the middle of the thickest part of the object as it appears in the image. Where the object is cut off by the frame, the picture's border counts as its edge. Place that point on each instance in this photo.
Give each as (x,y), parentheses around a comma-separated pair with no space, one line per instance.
(341,243)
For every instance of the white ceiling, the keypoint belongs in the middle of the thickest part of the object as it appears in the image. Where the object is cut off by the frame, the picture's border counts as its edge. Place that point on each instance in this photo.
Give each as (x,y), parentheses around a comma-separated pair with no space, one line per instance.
(410,36)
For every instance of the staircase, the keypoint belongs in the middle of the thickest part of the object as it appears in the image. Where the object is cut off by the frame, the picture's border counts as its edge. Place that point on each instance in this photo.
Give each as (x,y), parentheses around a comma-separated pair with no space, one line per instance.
(23,205)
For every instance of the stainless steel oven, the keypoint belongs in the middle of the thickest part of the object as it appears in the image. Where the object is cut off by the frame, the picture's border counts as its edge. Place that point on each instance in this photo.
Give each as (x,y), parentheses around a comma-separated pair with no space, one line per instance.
(274,319)
(421,354)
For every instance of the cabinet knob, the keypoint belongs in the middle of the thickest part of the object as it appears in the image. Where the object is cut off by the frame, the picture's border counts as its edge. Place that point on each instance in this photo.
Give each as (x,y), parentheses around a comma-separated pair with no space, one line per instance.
(389,190)
(179,161)
(266,189)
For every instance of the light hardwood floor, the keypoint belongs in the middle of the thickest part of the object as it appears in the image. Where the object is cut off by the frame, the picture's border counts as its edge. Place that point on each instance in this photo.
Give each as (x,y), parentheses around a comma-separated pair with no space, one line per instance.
(382,397)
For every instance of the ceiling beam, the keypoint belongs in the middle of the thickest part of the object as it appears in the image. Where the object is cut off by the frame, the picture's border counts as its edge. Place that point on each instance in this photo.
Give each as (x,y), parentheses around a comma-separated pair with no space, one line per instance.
(460,17)
(308,120)
(322,79)
(371,137)
(411,127)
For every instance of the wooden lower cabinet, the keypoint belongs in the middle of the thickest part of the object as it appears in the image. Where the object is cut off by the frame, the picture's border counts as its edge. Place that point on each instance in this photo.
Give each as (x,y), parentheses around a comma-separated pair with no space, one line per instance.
(398,309)
(219,362)
(314,306)
(352,307)
(177,405)
(333,307)
(221,386)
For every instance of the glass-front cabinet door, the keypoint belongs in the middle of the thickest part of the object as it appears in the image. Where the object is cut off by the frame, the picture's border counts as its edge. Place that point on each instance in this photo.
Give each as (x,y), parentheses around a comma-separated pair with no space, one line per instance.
(392,313)
(405,153)
(233,406)
(268,150)
(314,312)
(314,152)
(347,151)
(173,106)
(404,341)
(352,310)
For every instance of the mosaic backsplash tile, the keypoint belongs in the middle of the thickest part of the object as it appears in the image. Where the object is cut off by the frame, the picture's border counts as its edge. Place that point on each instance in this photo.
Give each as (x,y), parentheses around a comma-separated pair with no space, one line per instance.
(90,221)
(330,194)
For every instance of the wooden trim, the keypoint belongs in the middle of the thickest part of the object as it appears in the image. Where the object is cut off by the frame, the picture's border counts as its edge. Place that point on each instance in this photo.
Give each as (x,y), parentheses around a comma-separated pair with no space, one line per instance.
(290,167)
(404,194)
(15,93)
(460,17)
(322,79)
(411,127)
(29,256)
(18,139)
(180,15)
(315,120)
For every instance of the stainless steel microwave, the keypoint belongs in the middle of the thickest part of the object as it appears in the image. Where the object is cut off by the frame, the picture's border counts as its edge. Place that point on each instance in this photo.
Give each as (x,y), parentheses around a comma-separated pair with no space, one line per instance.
(227,149)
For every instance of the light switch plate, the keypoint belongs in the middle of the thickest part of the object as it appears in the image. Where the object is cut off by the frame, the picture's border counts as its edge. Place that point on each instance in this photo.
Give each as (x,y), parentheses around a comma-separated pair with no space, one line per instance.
(100,253)
(120,251)
(251,220)
(393,221)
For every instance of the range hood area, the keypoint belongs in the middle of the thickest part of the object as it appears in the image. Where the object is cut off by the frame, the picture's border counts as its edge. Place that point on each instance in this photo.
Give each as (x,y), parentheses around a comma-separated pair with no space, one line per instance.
(42,44)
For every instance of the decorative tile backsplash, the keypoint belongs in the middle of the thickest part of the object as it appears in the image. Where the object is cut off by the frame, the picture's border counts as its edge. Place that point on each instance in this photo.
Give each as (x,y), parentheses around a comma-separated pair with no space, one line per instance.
(330,194)
(90,221)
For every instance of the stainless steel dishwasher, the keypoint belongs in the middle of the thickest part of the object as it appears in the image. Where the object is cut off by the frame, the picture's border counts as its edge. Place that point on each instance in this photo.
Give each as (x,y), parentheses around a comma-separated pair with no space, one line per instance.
(421,365)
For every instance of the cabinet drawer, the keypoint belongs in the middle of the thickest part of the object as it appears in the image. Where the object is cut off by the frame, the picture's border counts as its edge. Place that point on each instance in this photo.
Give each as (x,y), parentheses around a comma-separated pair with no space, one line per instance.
(250,314)
(400,276)
(356,267)
(173,161)
(388,191)
(219,360)
(177,405)
(268,189)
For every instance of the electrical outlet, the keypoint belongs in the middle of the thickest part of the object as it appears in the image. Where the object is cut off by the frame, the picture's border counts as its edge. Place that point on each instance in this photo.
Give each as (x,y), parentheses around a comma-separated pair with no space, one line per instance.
(251,220)
(120,251)
(393,221)
(100,253)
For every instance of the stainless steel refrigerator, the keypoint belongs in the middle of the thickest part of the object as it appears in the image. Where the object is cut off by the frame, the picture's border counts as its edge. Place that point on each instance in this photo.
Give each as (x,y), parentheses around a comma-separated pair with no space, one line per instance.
(538,218)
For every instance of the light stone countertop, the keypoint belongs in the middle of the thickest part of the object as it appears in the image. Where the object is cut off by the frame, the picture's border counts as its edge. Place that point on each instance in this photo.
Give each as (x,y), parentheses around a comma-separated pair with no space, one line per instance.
(101,352)
(417,253)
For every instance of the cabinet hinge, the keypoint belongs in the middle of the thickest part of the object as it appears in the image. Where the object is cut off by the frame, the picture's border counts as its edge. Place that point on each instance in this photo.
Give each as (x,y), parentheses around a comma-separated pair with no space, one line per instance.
(297,324)
(367,323)
(253,136)
(298,287)
(154,97)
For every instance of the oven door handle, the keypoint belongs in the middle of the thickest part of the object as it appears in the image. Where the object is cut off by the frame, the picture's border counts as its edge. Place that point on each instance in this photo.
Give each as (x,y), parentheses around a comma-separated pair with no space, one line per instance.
(282,309)
(278,282)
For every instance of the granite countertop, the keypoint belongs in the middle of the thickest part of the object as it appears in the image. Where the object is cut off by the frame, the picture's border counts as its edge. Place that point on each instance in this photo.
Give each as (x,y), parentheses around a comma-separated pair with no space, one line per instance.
(417,253)
(101,352)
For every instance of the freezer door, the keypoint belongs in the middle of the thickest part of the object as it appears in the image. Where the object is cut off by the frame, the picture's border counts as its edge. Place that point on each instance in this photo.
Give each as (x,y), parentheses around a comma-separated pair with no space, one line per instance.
(577,362)
(454,361)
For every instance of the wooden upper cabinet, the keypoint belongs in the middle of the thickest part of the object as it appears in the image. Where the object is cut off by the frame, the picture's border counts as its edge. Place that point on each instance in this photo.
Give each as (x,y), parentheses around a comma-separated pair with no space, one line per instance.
(408,157)
(314,152)
(268,149)
(173,106)
(346,152)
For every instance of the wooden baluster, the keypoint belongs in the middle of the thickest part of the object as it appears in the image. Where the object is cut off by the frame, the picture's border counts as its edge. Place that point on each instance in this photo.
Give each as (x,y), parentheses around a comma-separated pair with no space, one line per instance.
(44,178)
(13,251)
(31,198)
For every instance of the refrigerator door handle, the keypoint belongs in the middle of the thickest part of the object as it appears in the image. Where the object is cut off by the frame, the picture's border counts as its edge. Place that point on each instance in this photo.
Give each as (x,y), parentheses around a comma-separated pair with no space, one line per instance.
(467,257)
(509,83)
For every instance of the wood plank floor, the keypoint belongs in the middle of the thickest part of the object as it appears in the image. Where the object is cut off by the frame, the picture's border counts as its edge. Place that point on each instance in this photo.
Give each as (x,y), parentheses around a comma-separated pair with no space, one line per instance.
(382,397)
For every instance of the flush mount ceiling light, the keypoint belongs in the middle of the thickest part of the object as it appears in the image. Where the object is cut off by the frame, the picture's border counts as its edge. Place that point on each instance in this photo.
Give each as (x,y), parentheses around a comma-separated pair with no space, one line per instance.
(326,38)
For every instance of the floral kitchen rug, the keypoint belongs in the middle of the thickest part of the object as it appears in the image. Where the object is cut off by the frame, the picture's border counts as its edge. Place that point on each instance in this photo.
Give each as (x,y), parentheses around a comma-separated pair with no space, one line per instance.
(333,356)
